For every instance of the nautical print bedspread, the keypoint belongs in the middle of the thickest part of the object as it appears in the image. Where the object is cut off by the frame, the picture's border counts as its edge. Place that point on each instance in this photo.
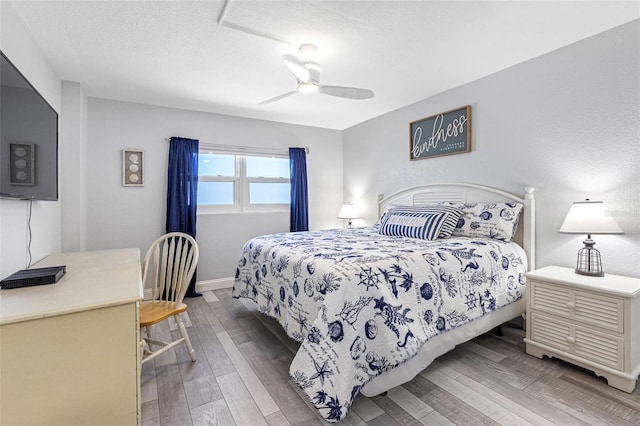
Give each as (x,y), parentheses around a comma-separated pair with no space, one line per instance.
(362,303)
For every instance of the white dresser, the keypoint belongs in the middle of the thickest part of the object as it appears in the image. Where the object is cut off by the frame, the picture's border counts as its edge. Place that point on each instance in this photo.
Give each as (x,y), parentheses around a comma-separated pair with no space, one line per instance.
(69,351)
(593,322)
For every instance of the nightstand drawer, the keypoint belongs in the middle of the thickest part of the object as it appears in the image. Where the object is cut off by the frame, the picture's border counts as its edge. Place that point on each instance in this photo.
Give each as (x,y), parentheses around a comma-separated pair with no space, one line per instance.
(604,349)
(589,308)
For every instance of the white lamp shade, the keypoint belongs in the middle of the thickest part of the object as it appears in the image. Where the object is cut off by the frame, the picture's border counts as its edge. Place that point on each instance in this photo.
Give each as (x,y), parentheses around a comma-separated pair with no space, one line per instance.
(588,217)
(348,211)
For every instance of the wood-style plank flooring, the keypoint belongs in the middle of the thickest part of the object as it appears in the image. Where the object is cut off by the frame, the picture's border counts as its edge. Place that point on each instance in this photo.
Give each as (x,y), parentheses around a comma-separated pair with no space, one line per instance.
(241,377)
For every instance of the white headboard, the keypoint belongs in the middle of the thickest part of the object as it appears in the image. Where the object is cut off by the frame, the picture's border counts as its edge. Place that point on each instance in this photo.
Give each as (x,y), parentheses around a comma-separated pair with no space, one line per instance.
(472,193)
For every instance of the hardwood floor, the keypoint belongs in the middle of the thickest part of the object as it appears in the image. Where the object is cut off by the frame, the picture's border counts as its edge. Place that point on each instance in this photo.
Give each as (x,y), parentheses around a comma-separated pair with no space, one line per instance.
(241,377)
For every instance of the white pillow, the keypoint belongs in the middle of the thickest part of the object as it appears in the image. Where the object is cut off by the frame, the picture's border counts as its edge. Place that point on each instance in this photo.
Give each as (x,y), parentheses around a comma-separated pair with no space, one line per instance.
(488,220)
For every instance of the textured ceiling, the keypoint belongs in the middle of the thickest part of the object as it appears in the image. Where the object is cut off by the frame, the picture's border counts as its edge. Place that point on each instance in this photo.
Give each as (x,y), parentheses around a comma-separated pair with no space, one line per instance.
(225,56)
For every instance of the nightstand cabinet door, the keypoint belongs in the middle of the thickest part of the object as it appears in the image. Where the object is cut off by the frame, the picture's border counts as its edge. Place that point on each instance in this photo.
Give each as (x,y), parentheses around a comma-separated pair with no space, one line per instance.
(586,307)
(593,322)
(602,348)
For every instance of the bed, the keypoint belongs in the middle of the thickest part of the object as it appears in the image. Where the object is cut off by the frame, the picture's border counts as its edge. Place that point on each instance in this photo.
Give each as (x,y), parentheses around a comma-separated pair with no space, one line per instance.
(374,306)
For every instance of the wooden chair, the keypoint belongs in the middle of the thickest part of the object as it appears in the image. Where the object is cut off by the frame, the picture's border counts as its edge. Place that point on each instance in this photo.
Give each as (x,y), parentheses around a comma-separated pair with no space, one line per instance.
(168,268)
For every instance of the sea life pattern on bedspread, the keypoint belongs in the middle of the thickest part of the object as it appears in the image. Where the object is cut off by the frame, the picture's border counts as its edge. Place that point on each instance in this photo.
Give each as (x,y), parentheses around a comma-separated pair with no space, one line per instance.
(362,303)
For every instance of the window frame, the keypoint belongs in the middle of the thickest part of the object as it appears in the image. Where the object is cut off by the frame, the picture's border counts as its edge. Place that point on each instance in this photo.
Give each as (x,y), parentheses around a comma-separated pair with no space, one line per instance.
(241,186)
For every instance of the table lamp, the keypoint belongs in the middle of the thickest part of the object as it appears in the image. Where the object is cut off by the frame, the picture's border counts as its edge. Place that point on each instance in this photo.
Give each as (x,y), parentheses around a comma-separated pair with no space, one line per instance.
(587,217)
(348,211)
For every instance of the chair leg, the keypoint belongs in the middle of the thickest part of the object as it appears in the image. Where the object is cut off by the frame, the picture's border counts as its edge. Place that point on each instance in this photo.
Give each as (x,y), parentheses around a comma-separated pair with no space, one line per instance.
(187,342)
(147,337)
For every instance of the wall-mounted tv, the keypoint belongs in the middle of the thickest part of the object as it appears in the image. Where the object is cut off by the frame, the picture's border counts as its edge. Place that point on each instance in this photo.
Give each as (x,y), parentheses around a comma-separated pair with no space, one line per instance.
(28,139)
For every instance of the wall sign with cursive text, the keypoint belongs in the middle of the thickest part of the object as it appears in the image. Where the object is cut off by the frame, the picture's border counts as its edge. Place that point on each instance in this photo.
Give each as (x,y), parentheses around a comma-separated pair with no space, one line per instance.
(441,134)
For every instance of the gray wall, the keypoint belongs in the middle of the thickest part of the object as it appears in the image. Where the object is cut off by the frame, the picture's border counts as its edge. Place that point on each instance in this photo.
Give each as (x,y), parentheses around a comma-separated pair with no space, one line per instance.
(73,167)
(566,123)
(120,216)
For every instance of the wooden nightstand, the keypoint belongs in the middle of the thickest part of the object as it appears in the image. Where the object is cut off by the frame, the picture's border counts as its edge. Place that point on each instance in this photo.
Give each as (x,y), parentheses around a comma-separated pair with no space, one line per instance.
(593,322)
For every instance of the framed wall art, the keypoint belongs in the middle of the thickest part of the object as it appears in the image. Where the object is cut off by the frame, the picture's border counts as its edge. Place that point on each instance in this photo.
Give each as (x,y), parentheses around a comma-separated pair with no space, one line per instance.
(132,167)
(446,133)
(22,164)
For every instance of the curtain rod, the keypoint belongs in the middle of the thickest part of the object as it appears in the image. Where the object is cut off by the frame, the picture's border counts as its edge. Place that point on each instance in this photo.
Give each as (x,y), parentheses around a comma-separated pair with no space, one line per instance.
(241,148)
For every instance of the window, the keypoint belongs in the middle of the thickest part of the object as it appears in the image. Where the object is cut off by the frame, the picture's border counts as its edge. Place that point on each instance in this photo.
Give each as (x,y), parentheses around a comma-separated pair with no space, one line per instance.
(241,183)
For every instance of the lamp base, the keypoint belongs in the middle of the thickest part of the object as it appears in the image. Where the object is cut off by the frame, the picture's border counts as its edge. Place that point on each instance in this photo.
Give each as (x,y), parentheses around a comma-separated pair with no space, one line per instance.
(589,262)
(590,274)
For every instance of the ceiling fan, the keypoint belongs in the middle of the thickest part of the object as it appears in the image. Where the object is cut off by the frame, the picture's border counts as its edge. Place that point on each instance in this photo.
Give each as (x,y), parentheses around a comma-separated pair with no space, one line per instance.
(307,73)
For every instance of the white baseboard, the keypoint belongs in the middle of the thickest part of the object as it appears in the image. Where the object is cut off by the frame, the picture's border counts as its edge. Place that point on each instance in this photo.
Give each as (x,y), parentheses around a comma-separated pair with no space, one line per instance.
(217,284)
(201,286)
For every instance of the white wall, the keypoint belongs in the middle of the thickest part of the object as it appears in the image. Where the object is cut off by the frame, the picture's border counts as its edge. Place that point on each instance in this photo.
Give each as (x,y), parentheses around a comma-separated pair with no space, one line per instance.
(18,45)
(120,216)
(566,123)
(73,166)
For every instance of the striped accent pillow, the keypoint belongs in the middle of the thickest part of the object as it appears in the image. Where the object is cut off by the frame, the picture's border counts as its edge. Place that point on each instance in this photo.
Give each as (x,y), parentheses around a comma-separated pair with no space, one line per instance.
(424,222)
(449,221)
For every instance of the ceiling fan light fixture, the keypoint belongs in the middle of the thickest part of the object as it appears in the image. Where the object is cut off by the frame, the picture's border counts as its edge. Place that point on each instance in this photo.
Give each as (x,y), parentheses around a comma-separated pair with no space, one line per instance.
(309,87)
(307,73)
(308,51)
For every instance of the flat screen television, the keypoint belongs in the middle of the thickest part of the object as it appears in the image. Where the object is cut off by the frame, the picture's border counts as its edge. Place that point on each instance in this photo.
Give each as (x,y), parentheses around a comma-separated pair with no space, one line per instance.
(28,139)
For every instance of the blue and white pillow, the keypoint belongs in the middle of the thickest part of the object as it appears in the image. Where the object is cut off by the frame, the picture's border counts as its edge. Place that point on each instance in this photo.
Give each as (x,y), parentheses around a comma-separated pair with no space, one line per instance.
(488,220)
(424,222)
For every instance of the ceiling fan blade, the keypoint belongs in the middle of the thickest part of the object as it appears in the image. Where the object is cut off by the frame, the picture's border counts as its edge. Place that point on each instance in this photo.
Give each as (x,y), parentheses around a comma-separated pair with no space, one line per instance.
(297,67)
(277,98)
(346,92)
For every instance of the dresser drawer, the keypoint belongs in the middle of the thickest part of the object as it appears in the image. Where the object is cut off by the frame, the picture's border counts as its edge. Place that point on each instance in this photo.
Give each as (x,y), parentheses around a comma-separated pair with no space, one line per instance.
(568,336)
(589,308)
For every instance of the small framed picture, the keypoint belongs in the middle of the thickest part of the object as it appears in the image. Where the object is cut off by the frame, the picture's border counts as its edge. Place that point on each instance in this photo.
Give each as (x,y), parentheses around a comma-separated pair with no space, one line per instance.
(22,158)
(132,167)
